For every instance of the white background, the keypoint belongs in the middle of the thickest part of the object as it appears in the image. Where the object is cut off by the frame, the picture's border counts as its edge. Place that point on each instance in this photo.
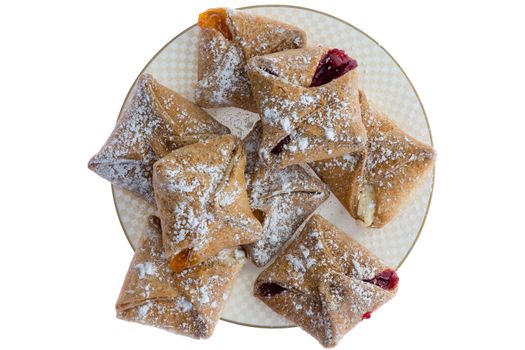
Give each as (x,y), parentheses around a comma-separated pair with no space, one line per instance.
(65,70)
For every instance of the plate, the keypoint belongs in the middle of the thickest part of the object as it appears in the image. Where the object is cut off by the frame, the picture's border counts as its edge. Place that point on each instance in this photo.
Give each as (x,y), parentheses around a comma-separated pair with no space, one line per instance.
(386,85)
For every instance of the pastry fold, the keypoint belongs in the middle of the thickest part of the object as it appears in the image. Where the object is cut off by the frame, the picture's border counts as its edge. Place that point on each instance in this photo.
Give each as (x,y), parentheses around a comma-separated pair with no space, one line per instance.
(202,202)
(325,282)
(154,121)
(222,79)
(187,303)
(301,123)
(281,198)
(375,183)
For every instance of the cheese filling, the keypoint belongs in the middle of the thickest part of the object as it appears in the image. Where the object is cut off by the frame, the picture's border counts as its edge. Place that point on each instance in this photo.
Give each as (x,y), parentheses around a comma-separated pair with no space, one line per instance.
(366,207)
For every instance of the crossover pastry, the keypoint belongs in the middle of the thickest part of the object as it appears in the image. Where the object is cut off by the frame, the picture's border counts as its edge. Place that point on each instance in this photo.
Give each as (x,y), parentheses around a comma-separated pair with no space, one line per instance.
(280,198)
(325,282)
(187,303)
(228,38)
(308,101)
(202,202)
(154,121)
(374,183)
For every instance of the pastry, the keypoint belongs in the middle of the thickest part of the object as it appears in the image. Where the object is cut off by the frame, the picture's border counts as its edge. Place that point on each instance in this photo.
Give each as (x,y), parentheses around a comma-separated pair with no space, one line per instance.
(154,121)
(281,199)
(308,101)
(187,303)
(227,39)
(325,282)
(374,183)
(201,197)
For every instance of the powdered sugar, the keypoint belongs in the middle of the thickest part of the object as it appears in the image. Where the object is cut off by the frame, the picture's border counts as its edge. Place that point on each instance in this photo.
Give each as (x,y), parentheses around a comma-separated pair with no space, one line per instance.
(186,303)
(327,292)
(127,157)
(303,144)
(289,108)
(223,80)
(285,196)
(146,268)
(330,134)
(192,184)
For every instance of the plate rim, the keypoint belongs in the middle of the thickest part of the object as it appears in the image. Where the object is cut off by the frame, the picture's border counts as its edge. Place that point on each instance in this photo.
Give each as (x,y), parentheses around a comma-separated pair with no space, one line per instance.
(345,23)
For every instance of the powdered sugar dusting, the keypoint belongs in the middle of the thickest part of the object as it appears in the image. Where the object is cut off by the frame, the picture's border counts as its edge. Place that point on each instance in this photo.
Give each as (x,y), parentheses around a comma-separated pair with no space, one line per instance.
(199,201)
(224,81)
(321,122)
(325,273)
(127,157)
(187,303)
(146,268)
(285,196)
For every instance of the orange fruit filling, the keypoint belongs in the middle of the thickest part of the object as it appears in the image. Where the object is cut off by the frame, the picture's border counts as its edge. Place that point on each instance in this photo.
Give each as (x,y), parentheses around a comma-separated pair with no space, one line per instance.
(180,261)
(215,19)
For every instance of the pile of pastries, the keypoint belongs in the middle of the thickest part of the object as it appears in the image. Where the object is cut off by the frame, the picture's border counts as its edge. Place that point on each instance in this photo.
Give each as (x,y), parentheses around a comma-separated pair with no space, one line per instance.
(221,200)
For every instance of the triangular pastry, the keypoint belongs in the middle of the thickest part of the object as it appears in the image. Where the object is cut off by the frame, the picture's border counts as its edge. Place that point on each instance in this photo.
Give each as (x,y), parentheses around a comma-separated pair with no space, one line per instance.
(308,101)
(375,183)
(281,199)
(325,282)
(154,121)
(187,303)
(202,202)
(228,38)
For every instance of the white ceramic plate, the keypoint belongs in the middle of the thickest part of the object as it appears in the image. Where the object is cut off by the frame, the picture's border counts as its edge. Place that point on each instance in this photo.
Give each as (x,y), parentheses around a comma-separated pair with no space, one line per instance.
(386,86)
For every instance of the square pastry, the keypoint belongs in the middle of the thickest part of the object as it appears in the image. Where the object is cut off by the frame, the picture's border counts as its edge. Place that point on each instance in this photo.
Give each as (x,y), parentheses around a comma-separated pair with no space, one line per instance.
(308,101)
(325,282)
(375,183)
(282,199)
(227,40)
(202,201)
(187,303)
(154,121)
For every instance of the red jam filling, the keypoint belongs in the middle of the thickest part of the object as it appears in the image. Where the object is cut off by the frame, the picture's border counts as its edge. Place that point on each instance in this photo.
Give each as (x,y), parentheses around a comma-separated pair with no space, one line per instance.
(333,65)
(280,145)
(270,71)
(387,280)
(366,315)
(270,289)
(215,19)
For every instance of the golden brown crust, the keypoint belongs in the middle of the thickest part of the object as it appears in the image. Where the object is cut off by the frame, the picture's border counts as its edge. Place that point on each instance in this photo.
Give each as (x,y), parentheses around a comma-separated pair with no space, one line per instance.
(321,122)
(284,198)
(154,119)
(222,79)
(325,279)
(374,184)
(201,196)
(187,303)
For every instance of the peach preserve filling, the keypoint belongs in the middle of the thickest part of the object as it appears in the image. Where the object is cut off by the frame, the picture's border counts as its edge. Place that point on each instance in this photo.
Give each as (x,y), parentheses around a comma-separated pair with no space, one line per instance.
(215,19)
(180,261)
(259,215)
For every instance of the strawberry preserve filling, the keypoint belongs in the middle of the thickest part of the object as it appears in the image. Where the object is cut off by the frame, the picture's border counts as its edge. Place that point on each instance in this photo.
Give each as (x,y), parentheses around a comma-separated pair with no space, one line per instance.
(333,65)
(270,289)
(387,280)
(366,315)
(280,145)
